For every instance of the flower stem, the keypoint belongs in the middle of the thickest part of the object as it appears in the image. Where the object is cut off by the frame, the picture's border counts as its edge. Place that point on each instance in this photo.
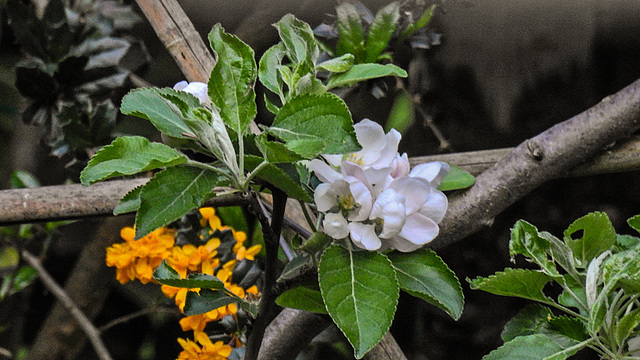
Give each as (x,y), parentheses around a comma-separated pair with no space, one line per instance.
(271,234)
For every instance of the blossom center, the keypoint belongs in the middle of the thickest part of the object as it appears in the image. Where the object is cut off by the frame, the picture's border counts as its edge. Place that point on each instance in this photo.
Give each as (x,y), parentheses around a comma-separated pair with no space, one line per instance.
(355,158)
(347,202)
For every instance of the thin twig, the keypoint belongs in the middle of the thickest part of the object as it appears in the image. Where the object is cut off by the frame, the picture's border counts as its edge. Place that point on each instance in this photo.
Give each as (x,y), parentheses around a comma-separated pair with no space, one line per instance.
(92,333)
(135,315)
(6,353)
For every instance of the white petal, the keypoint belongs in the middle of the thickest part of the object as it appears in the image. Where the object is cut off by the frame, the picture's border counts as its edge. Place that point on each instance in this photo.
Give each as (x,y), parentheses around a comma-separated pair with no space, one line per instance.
(414,190)
(181,85)
(323,171)
(390,150)
(199,89)
(389,207)
(362,195)
(324,198)
(433,172)
(399,244)
(335,225)
(436,206)
(333,160)
(419,229)
(375,176)
(364,236)
(371,136)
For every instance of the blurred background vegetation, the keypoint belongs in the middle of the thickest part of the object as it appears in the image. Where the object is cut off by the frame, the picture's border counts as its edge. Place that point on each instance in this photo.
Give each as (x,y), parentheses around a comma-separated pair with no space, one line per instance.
(503,72)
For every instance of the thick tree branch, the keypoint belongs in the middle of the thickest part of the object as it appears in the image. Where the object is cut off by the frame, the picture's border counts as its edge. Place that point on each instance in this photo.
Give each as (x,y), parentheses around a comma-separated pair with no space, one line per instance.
(539,159)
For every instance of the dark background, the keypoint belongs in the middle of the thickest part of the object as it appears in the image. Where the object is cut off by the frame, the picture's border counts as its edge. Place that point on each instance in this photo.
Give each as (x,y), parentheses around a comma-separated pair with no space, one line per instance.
(506,70)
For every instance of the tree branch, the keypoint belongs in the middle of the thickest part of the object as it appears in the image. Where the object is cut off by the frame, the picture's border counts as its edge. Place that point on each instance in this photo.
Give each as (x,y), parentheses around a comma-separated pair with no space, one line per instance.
(539,159)
(61,295)
(68,202)
(180,37)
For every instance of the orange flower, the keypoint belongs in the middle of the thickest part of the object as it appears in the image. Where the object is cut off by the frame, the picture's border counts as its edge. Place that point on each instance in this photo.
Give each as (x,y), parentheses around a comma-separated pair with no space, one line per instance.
(206,350)
(137,259)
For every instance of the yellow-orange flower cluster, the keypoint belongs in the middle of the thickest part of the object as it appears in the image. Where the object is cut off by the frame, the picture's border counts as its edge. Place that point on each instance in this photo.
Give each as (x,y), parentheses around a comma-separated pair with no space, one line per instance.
(138,259)
(203,348)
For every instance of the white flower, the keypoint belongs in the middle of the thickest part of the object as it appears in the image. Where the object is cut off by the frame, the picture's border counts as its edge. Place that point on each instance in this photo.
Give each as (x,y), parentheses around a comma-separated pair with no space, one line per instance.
(374,197)
(377,153)
(196,88)
(433,172)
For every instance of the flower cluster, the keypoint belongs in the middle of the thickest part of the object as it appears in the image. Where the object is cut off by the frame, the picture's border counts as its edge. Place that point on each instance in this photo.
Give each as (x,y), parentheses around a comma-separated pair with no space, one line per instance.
(206,350)
(137,259)
(373,197)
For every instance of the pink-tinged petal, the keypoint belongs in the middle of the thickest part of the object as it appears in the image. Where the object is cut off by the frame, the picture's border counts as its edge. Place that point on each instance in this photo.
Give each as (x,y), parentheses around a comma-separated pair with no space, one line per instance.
(419,229)
(433,172)
(400,166)
(323,171)
(389,207)
(362,196)
(436,206)
(414,190)
(335,225)
(364,236)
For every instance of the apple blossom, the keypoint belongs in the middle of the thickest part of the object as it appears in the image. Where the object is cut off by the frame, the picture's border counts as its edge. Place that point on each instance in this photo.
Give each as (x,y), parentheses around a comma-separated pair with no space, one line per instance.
(374,198)
(199,89)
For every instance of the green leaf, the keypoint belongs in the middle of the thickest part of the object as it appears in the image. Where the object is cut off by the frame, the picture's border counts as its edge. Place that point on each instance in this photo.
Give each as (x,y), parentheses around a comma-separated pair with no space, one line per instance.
(561,253)
(570,327)
(522,283)
(232,81)
(526,241)
(130,202)
(401,116)
(625,326)
(299,41)
(166,275)
(23,179)
(598,235)
(350,31)
(277,177)
(316,242)
(362,72)
(302,298)
(423,21)
(634,222)
(360,292)
(423,274)
(276,152)
(338,64)
(268,71)
(212,133)
(535,347)
(205,301)
(456,179)
(9,258)
(24,277)
(129,155)
(165,108)
(308,84)
(381,30)
(170,194)
(530,320)
(323,116)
